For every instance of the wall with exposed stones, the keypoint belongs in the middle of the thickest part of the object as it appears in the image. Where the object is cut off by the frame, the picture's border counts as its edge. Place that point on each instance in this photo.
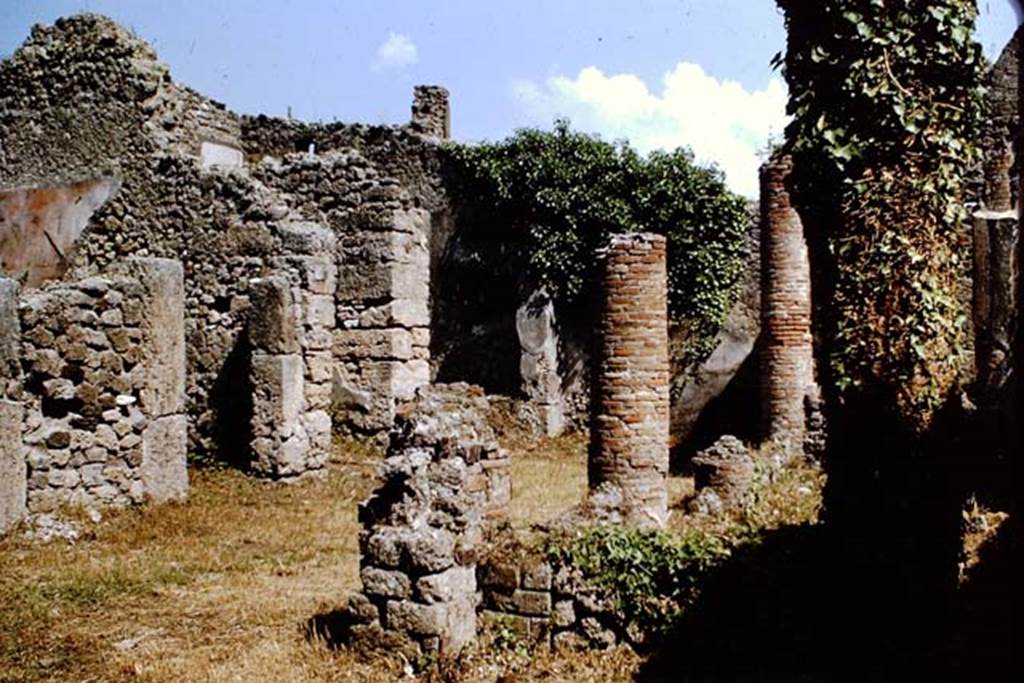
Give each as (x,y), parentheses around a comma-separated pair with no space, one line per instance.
(95,406)
(630,419)
(236,199)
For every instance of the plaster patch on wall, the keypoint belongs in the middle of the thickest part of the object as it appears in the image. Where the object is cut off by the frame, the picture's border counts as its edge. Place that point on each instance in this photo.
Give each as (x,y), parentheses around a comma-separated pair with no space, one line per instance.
(40,225)
(217,155)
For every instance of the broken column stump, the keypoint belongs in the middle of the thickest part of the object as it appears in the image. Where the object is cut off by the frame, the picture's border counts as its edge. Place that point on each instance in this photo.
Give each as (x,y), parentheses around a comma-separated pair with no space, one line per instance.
(443,477)
(787,354)
(628,462)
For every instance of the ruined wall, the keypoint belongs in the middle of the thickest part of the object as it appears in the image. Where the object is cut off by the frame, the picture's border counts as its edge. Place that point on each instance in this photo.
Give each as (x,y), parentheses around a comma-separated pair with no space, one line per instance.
(786,352)
(423,528)
(85,99)
(100,406)
(629,433)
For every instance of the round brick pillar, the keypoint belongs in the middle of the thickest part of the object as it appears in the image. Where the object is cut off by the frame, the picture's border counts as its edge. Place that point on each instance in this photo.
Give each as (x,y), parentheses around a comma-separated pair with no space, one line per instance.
(787,355)
(630,416)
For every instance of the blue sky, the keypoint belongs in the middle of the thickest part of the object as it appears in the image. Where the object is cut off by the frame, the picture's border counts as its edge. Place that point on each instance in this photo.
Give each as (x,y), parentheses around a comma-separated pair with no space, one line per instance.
(658,72)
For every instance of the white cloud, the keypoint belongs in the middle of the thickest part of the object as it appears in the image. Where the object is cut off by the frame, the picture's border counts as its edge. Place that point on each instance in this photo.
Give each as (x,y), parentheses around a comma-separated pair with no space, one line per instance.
(395,52)
(719,120)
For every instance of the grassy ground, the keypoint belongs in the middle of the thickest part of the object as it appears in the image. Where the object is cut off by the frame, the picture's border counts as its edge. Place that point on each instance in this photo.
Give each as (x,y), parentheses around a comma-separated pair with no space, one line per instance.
(221,588)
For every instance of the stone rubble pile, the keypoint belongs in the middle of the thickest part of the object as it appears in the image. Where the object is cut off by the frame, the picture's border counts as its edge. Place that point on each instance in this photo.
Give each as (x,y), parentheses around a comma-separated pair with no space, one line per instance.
(443,477)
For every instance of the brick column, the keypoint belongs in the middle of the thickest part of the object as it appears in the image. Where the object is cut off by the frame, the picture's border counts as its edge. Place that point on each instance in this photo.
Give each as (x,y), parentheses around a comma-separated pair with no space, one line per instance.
(787,360)
(629,432)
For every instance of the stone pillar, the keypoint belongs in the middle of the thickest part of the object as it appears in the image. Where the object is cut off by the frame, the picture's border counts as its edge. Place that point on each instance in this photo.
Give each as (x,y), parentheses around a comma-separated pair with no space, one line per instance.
(382,342)
(280,443)
(630,413)
(423,528)
(164,468)
(313,274)
(13,471)
(431,112)
(538,361)
(787,354)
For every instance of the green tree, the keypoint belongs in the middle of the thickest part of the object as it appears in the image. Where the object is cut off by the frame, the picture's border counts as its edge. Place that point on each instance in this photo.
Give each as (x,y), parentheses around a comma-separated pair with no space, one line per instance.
(562,194)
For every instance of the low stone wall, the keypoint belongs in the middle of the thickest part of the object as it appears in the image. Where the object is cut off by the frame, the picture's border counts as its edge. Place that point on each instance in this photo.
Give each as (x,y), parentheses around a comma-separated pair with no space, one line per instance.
(100,406)
(423,528)
(549,603)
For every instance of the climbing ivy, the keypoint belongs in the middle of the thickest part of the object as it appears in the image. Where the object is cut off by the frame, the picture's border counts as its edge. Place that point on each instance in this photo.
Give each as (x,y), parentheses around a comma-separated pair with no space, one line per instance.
(885,100)
(651,576)
(563,193)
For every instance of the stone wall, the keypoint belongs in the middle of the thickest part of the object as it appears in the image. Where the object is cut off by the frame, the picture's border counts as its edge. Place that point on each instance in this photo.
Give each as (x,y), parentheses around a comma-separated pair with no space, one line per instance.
(85,100)
(97,417)
(443,477)
(431,113)
(545,600)
(786,351)
(629,432)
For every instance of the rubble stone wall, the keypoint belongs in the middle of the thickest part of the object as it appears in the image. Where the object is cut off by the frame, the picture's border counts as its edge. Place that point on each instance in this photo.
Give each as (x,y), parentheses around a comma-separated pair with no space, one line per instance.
(422,529)
(629,434)
(786,352)
(100,405)
(227,195)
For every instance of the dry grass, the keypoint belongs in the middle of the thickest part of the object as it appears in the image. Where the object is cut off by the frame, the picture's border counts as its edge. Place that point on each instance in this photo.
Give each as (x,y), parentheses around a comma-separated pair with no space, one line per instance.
(216,589)
(221,588)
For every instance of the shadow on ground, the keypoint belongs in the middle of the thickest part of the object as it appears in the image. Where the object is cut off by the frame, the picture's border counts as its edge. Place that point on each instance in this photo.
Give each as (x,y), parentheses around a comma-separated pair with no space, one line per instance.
(803,606)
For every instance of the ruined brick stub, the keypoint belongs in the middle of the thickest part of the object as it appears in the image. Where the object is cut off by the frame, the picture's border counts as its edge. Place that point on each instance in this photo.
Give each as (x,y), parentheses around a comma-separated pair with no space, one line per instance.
(723,476)
(422,529)
(100,406)
(630,420)
(431,111)
(787,356)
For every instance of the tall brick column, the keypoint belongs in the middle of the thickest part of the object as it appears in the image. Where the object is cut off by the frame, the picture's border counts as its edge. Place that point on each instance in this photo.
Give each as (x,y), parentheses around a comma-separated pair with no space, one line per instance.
(787,355)
(629,433)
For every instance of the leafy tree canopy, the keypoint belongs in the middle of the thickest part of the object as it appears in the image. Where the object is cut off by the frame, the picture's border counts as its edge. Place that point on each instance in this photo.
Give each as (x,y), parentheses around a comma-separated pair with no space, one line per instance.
(564,193)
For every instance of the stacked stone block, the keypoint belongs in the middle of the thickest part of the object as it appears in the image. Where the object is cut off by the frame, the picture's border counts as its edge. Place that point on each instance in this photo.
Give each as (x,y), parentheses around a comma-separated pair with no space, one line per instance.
(382,345)
(546,600)
(290,324)
(787,360)
(431,112)
(629,432)
(102,397)
(423,528)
